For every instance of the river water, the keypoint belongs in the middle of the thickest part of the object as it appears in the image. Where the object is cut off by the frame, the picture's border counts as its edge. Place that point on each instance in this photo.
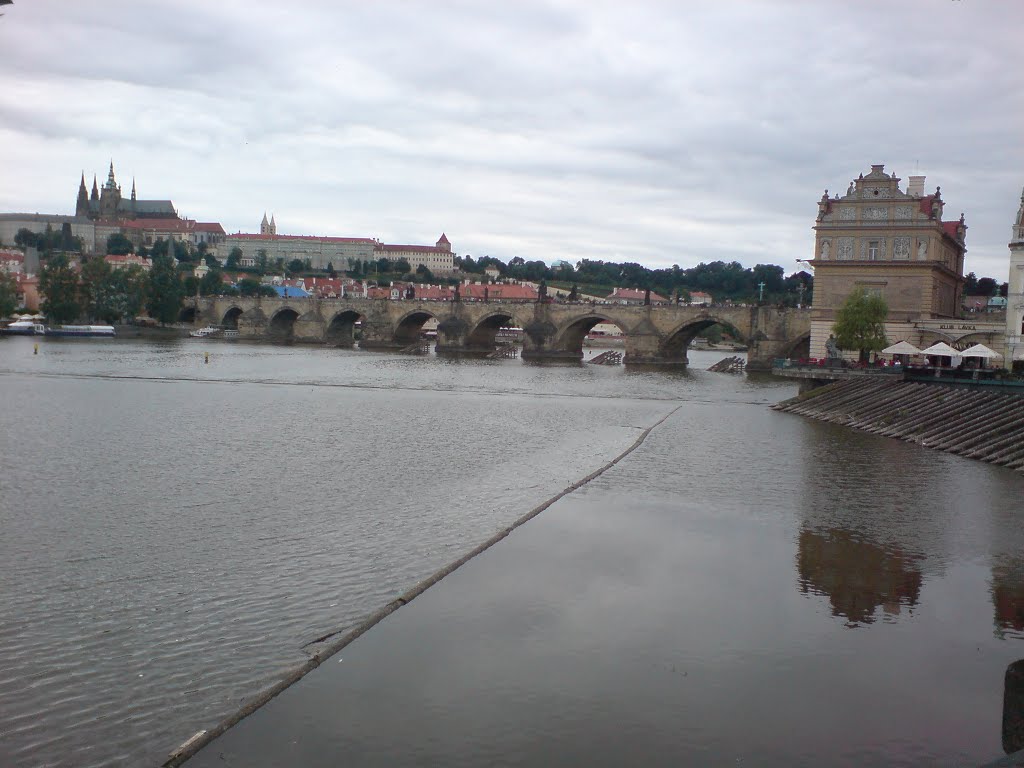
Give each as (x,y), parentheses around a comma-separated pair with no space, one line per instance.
(176,532)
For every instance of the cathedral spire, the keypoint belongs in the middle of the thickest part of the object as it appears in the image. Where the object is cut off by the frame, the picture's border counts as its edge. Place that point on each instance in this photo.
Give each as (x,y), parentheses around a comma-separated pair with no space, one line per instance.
(95,189)
(82,203)
(111,183)
(133,188)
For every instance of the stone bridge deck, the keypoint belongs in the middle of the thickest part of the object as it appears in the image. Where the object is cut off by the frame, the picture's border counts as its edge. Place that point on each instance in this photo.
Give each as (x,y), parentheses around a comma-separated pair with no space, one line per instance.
(655,334)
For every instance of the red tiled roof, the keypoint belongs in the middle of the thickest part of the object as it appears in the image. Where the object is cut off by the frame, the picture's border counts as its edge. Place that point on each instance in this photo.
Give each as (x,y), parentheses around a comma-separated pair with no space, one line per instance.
(444,239)
(633,293)
(209,226)
(949,227)
(12,255)
(498,291)
(362,240)
(410,248)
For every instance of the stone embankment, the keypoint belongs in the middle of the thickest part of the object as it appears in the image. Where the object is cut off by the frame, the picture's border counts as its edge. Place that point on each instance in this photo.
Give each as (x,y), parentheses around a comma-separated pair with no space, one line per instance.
(975,423)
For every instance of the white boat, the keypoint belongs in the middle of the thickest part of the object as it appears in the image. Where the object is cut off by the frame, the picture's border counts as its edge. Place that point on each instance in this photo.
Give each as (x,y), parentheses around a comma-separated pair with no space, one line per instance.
(202,333)
(24,328)
(81,330)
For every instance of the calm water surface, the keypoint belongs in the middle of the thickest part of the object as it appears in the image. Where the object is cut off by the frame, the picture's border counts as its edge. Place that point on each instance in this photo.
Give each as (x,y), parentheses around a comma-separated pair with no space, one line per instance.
(175,533)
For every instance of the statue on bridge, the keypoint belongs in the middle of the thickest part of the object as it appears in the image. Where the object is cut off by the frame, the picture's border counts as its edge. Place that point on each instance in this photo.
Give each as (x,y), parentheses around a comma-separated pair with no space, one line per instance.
(832,348)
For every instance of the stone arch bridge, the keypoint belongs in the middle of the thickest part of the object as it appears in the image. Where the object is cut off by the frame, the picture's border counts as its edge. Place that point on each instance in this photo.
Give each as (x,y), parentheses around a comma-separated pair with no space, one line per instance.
(655,335)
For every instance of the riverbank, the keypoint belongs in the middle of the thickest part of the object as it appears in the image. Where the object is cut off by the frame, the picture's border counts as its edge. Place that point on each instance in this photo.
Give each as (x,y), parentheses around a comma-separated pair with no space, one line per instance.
(978,423)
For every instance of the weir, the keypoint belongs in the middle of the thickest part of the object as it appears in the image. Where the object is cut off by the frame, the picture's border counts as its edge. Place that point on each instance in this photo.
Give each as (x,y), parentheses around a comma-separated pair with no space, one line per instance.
(658,334)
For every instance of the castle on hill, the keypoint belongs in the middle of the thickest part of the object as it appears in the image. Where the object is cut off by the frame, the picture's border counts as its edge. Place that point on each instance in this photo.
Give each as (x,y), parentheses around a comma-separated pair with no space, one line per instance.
(108,203)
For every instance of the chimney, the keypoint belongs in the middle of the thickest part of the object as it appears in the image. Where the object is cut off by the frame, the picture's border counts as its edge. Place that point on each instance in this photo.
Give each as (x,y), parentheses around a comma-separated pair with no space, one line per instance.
(916,186)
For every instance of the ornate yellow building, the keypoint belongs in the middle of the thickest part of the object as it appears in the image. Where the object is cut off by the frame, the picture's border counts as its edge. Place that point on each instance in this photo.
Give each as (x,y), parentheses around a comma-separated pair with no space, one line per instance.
(895,243)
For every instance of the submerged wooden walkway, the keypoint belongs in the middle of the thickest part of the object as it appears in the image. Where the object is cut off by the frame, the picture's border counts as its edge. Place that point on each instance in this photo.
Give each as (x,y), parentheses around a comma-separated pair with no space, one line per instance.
(975,423)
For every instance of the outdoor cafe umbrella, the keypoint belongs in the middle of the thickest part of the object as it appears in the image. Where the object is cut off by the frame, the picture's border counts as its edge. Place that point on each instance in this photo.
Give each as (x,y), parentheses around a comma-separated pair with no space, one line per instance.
(941,349)
(980,350)
(901,348)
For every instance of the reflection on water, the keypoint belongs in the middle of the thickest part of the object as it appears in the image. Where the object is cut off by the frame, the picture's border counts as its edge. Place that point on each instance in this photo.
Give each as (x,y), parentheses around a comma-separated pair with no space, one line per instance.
(858,576)
(1008,595)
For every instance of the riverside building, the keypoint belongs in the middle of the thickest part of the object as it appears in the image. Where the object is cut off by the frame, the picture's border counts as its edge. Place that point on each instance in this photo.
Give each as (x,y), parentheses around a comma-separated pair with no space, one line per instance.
(893,242)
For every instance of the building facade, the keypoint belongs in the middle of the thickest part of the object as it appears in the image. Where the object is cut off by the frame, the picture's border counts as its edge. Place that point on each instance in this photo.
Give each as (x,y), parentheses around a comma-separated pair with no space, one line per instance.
(1015,293)
(892,242)
(339,252)
(438,258)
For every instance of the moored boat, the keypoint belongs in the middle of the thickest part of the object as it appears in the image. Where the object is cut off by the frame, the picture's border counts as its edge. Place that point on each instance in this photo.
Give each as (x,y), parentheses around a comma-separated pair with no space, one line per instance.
(23,328)
(202,333)
(81,330)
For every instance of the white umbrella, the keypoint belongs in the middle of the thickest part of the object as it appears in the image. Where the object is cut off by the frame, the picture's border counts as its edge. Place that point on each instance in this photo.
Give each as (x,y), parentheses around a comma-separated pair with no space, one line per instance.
(980,350)
(942,349)
(901,348)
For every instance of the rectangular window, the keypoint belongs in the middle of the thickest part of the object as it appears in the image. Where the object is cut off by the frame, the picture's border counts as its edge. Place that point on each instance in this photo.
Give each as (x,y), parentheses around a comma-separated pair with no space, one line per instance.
(872,250)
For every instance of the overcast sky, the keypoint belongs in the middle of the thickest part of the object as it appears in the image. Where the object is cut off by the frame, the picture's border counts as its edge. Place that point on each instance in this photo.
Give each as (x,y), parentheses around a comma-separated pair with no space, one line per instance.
(657,132)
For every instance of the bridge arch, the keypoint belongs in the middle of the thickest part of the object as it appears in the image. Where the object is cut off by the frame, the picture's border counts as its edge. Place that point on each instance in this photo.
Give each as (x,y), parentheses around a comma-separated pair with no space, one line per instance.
(570,337)
(282,324)
(678,341)
(341,329)
(799,349)
(410,326)
(484,333)
(230,318)
(187,314)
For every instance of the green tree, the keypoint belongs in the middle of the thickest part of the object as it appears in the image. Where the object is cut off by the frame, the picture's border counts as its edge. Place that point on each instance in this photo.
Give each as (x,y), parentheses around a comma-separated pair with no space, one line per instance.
(211,283)
(860,323)
(58,283)
(8,294)
(97,290)
(403,266)
(295,266)
(233,258)
(130,287)
(118,244)
(423,273)
(26,238)
(249,287)
(262,261)
(165,290)
(331,271)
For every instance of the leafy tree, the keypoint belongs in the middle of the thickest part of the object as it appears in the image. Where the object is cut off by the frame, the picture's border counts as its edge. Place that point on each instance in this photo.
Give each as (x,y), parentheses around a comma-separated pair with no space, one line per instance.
(212,261)
(233,258)
(266,290)
(970,284)
(295,266)
(211,283)
(190,283)
(331,271)
(130,286)
(58,282)
(248,287)
(987,286)
(262,261)
(165,290)
(8,294)
(96,289)
(424,274)
(383,264)
(26,238)
(860,323)
(403,266)
(118,244)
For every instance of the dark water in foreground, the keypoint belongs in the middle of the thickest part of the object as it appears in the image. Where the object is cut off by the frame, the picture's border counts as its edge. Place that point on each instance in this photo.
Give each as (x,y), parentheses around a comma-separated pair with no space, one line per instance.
(747,587)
